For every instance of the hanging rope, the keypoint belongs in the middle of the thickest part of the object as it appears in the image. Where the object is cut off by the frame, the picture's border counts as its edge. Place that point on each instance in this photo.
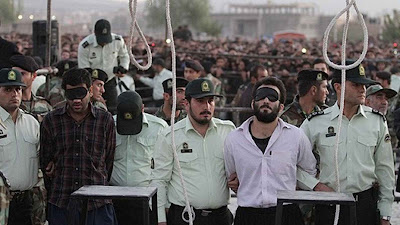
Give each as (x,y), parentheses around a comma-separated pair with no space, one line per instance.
(188,209)
(343,69)
(132,10)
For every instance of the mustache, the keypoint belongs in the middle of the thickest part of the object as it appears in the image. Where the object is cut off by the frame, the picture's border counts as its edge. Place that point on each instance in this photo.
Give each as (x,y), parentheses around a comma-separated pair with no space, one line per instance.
(205,112)
(265,106)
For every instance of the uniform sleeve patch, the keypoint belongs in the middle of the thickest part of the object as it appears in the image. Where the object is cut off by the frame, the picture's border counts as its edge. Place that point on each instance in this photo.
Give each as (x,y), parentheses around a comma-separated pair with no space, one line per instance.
(85,44)
(118,38)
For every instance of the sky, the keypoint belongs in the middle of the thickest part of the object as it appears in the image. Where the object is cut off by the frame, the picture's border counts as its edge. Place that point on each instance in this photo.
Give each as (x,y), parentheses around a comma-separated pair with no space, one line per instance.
(329,7)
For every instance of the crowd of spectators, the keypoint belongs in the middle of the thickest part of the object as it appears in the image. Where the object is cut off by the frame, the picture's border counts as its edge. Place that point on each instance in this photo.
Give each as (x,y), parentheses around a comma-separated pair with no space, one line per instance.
(232,59)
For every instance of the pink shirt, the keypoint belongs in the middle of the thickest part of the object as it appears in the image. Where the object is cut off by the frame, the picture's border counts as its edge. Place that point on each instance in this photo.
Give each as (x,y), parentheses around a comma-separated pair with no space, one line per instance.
(262,175)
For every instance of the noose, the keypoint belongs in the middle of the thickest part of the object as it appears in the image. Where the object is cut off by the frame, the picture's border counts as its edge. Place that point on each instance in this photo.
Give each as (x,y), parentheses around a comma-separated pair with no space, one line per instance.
(343,68)
(132,8)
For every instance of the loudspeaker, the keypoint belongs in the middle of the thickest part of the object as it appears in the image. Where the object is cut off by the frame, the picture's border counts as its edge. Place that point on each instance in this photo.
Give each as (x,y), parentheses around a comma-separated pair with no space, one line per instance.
(39,38)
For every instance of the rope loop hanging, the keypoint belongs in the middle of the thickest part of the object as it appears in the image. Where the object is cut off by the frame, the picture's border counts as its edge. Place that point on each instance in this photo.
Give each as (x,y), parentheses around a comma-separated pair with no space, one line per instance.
(343,67)
(132,11)
(188,209)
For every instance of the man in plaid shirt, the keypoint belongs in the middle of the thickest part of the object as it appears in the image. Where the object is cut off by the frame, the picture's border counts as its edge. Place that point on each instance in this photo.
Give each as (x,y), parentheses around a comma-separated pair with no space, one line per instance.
(77,148)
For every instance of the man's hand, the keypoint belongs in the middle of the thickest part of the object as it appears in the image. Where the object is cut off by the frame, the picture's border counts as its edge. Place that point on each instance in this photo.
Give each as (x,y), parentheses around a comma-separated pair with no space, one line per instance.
(323,187)
(136,77)
(233,182)
(385,222)
(50,169)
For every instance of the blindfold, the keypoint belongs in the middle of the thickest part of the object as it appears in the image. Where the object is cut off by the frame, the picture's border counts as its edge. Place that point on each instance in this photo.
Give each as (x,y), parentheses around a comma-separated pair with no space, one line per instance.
(266,92)
(76,93)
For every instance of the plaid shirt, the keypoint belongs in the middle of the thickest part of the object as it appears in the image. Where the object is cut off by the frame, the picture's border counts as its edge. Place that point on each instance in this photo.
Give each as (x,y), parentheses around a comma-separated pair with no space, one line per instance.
(83,152)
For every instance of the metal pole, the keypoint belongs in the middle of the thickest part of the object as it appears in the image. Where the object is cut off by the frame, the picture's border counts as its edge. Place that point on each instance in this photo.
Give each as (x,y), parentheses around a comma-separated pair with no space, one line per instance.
(48,52)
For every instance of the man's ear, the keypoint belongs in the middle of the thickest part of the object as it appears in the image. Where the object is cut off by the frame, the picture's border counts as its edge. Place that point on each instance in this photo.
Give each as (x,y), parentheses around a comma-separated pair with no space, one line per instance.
(166,96)
(252,104)
(337,87)
(313,90)
(34,75)
(91,91)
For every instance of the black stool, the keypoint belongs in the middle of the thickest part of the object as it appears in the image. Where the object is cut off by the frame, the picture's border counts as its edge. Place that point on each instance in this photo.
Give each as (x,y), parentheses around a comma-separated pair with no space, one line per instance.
(314,197)
(142,194)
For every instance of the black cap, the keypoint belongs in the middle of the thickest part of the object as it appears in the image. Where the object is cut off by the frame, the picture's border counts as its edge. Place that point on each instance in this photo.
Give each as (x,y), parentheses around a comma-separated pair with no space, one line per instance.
(159,61)
(102,30)
(129,113)
(167,84)
(200,88)
(97,74)
(312,75)
(11,77)
(24,62)
(356,75)
(65,65)
(194,65)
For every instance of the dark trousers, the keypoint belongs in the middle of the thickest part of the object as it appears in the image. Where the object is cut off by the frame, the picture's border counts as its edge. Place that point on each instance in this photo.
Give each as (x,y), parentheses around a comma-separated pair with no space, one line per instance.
(104,215)
(130,212)
(110,95)
(366,210)
(291,215)
(220,216)
(20,211)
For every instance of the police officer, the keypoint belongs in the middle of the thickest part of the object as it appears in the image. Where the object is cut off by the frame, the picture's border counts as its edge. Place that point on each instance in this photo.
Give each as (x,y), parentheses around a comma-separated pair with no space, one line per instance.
(103,50)
(199,140)
(165,110)
(56,93)
(38,107)
(378,97)
(312,92)
(19,139)
(133,160)
(99,78)
(365,154)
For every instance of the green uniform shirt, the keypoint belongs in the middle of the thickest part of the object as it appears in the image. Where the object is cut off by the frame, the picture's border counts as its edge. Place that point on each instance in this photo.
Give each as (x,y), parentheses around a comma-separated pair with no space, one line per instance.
(4,199)
(160,114)
(202,162)
(294,114)
(37,106)
(134,154)
(365,153)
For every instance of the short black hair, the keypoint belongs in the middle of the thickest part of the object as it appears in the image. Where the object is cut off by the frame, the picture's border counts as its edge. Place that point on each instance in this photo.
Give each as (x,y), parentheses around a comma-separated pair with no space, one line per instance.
(254,70)
(384,75)
(76,76)
(318,61)
(274,82)
(305,85)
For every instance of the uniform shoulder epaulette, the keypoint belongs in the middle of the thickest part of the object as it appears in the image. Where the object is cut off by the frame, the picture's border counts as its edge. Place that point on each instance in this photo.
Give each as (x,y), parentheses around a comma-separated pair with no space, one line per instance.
(85,44)
(224,122)
(157,120)
(314,114)
(118,38)
(379,113)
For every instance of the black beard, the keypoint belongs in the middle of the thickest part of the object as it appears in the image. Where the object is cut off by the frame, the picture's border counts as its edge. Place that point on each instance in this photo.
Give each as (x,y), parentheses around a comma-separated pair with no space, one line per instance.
(264,116)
